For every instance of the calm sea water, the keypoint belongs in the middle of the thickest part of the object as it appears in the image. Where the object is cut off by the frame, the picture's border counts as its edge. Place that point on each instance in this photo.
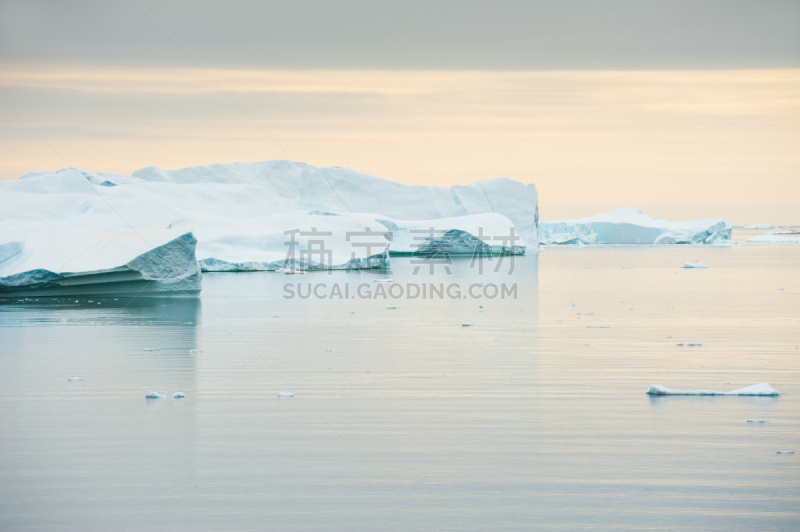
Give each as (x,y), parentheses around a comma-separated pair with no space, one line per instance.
(534,417)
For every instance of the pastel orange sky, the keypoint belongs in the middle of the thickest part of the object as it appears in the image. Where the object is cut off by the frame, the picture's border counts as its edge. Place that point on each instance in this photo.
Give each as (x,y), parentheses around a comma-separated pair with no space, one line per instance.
(597,103)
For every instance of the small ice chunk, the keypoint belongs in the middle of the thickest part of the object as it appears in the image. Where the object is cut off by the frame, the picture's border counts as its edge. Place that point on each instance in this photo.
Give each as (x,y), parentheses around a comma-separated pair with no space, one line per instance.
(178,395)
(285,395)
(152,349)
(390,307)
(572,304)
(466,324)
(762,389)
(785,452)
(154,395)
(481,306)
(75,379)
(694,265)
(383,280)
(752,421)
(589,314)
(694,345)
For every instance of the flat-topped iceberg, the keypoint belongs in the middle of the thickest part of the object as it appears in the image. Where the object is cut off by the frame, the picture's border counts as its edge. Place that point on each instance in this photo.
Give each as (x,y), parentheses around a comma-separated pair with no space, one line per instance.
(148,260)
(631,226)
(762,389)
(273,215)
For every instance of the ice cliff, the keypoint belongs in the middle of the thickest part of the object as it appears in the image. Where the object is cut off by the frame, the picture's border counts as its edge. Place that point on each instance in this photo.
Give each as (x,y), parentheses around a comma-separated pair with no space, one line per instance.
(632,226)
(79,260)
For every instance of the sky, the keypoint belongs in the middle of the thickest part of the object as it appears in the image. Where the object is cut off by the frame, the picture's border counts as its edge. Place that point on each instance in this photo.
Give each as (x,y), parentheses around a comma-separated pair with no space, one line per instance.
(684,109)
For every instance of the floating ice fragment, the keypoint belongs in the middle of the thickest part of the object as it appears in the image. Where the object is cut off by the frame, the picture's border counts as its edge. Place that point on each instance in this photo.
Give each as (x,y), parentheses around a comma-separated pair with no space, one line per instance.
(75,379)
(383,280)
(589,314)
(572,304)
(762,389)
(694,345)
(785,452)
(466,324)
(154,395)
(694,265)
(598,326)
(152,349)
(758,421)
(285,395)
(178,395)
(390,307)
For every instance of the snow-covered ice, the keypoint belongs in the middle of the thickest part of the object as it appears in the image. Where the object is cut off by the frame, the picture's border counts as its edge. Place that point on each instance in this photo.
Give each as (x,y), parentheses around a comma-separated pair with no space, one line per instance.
(762,389)
(85,260)
(631,226)
(154,395)
(695,265)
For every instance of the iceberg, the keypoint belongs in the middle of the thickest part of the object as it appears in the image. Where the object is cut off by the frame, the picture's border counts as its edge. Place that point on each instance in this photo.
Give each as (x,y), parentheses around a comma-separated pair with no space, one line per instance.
(632,226)
(250,216)
(482,234)
(153,395)
(69,261)
(762,389)
(759,226)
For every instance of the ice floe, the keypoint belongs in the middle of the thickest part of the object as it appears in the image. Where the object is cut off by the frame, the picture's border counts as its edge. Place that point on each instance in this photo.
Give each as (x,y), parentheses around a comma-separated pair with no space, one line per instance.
(694,265)
(285,395)
(757,421)
(80,260)
(154,395)
(784,452)
(774,239)
(631,226)
(178,395)
(75,379)
(762,389)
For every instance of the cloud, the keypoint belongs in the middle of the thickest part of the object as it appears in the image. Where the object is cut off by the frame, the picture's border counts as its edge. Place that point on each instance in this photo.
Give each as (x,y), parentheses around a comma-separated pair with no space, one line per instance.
(437,35)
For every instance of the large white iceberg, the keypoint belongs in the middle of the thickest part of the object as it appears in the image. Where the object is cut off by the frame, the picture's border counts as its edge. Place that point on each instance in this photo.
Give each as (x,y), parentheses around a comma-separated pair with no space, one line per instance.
(632,226)
(69,261)
(269,215)
(762,389)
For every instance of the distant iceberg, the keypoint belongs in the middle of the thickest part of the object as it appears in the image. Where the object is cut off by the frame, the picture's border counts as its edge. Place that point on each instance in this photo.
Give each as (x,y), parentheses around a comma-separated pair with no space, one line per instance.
(762,389)
(631,226)
(759,226)
(71,261)
(774,239)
